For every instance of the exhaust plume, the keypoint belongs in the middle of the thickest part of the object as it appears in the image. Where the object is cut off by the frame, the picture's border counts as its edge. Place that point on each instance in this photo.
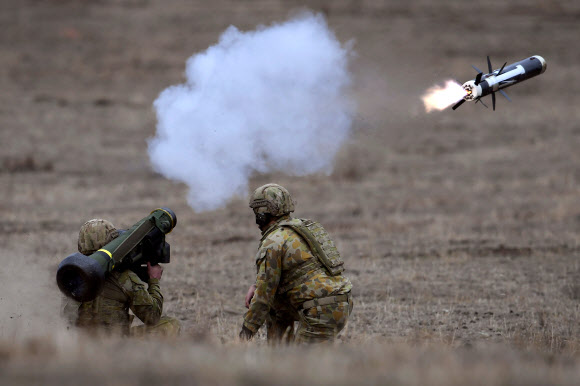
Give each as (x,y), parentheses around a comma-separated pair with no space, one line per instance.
(273,99)
(441,97)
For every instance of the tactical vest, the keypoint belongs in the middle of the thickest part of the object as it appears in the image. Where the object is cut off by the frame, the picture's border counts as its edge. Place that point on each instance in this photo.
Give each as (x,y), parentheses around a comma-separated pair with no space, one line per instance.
(320,243)
(110,308)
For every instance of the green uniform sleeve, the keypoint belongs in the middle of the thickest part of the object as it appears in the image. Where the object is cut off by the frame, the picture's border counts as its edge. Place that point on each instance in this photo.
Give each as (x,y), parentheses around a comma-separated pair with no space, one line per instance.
(269,264)
(146,303)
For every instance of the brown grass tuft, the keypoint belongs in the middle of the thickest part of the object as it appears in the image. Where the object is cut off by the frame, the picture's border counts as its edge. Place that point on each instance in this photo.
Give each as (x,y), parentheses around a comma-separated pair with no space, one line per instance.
(24,164)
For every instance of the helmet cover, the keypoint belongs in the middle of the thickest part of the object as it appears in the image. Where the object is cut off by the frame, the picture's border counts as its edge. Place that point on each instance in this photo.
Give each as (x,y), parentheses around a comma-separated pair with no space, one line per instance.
(273,199)
(95,234)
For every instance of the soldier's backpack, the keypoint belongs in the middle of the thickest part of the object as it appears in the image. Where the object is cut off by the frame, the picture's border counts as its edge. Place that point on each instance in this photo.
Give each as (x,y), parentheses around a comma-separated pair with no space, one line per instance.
(319,242)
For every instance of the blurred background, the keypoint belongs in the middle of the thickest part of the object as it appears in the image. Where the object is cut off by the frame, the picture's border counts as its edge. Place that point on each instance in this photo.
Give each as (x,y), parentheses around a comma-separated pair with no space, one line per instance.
(459,229)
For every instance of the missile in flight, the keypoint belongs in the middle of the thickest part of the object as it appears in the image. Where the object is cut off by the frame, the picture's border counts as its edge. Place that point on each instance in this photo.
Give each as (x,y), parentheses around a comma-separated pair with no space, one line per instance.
(495,81)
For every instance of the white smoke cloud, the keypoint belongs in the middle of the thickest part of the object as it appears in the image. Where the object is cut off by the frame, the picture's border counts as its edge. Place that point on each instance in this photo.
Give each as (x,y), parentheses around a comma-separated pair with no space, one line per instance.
(273,99)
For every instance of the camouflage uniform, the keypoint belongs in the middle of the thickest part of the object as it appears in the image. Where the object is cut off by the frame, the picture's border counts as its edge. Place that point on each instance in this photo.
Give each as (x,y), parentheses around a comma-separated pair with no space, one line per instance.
(292,284)
(123,290)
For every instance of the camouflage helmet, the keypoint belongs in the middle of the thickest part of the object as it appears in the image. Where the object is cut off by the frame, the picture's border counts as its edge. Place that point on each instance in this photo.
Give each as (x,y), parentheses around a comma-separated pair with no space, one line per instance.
(273,199)
(95,234)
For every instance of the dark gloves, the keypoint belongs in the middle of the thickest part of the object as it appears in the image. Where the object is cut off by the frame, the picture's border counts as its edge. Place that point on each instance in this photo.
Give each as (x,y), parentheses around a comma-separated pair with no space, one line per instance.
(246,333)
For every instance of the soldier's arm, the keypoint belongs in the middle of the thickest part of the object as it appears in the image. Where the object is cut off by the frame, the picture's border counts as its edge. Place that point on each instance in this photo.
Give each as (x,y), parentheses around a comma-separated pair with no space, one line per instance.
(146,303)
(269,271)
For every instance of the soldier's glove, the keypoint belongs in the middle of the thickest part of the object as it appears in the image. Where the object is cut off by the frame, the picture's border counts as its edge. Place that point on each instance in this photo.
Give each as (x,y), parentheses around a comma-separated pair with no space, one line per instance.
(246,333)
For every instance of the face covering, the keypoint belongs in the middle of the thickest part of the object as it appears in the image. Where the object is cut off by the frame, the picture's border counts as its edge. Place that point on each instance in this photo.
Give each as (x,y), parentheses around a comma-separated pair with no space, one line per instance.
(263,219)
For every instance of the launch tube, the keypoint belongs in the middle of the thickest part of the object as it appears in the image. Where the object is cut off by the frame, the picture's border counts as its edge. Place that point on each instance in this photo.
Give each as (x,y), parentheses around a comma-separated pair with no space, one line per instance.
(82,277)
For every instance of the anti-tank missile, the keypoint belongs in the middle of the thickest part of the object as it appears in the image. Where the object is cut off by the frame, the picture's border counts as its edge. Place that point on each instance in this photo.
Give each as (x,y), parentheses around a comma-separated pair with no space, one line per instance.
(82,277)
(506,76)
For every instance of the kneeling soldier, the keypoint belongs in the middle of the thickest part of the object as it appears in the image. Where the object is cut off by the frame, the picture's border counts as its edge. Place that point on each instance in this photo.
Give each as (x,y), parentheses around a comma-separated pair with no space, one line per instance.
(123,290)
(299,275)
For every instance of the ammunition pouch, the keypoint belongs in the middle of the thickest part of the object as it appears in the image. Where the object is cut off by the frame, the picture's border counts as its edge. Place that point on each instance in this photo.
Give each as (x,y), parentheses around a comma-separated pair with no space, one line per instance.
(319,242)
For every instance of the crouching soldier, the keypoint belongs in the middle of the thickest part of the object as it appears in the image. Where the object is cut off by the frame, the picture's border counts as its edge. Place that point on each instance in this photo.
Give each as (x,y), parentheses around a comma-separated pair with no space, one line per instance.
(123,291)
(299,275)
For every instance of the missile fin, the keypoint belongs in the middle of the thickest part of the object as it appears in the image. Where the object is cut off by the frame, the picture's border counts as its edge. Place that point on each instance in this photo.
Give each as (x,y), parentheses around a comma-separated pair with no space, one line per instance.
(484,105)
(501,69)
(493,100)
(505,95)
(478,78)
(458,104)
(489,65)
(477,69)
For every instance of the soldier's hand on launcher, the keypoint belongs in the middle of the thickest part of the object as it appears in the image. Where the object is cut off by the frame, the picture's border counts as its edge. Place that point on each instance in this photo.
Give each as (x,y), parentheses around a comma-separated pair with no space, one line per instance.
(250,295)
(154,271)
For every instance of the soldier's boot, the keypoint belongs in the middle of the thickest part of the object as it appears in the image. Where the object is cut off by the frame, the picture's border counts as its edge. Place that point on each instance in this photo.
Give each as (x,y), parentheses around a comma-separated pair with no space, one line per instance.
(167,327)
(323,323)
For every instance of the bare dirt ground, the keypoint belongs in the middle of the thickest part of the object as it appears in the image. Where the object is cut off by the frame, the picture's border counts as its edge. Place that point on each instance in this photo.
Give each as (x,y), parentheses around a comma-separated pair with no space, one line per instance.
(459,229)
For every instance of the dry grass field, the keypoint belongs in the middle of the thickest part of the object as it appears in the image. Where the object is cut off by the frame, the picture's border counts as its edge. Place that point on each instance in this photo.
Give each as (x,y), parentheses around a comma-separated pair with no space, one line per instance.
(460,229)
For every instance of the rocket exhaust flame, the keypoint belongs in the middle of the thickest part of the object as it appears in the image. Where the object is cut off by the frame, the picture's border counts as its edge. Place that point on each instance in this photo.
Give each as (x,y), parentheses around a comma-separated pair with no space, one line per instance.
(441,97)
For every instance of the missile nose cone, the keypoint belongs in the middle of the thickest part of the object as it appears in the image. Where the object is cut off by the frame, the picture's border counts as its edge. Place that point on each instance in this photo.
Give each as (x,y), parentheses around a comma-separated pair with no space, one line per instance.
(543,61)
